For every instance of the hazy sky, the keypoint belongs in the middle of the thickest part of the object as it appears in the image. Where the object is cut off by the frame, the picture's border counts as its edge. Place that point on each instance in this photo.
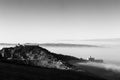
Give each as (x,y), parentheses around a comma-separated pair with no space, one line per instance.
(47,20)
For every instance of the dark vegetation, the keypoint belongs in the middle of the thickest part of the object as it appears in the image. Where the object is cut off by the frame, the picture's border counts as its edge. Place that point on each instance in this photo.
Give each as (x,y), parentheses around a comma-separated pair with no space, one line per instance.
(20,72)
(31,62)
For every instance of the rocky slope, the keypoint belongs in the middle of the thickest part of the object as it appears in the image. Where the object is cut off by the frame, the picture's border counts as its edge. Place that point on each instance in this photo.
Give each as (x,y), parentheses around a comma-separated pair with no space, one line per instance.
(36,56)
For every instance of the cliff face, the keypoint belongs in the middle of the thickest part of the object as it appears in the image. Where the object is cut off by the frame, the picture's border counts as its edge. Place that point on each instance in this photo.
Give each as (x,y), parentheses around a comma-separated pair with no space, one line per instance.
(34,55)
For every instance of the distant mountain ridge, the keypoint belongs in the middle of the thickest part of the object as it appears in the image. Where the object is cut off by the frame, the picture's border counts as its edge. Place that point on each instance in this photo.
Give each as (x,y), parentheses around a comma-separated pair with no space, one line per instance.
(64,45)
(8,44)
(102,39)
(112,39)
(53,44)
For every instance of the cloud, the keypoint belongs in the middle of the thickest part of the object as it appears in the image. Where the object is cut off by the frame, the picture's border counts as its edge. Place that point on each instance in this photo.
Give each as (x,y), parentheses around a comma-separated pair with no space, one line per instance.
(112,67)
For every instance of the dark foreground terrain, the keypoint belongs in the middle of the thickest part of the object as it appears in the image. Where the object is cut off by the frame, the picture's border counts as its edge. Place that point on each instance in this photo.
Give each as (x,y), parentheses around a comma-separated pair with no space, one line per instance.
(101,72)
(20,72)
(29,62)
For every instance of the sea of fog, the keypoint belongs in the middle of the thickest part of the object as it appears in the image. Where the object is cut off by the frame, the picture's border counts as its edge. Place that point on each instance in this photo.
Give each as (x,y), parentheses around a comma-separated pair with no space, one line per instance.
(109,51)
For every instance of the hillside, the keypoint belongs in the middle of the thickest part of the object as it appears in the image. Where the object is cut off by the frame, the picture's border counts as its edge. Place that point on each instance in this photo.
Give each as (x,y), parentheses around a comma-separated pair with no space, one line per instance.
(35,55)
(31,62)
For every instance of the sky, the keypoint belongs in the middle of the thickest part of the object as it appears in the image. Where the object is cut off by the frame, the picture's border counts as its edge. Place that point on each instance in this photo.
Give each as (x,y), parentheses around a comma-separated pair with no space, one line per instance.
(40,21)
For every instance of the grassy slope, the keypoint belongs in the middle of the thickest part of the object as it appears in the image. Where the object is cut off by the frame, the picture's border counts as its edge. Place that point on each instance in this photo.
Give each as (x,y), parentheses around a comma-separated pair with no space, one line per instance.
(21,72)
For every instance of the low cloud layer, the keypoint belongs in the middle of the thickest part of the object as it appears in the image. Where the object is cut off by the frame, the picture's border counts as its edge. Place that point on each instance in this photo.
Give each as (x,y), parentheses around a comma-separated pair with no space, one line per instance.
(113,67)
